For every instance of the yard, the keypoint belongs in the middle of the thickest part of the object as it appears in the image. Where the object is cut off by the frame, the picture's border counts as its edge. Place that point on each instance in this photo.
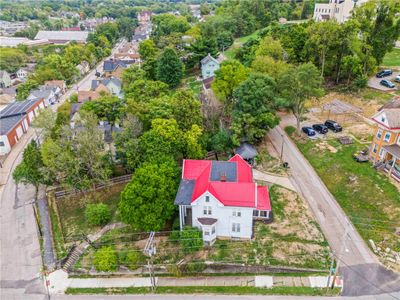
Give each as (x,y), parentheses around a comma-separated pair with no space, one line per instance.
(392,59)
(237,43)
(293,239)
(72,211)
(368,197)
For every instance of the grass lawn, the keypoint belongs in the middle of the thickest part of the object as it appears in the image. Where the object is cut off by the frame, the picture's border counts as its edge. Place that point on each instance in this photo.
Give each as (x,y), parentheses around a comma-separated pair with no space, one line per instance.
(72,210)
(392,59)
(229,290)
(368,197)
(230,52)
(368,94)
(193,85)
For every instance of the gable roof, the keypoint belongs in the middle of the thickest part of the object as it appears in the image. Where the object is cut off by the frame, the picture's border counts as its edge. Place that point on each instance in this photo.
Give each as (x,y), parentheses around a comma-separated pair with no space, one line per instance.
(231,182)
(392,118)
(111,65)
(394,103)
(16,109)
(42,93)
(208,59)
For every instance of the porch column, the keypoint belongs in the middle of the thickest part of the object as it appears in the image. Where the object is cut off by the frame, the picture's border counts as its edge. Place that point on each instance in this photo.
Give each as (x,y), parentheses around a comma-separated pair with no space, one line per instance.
(392,166)
(180,217)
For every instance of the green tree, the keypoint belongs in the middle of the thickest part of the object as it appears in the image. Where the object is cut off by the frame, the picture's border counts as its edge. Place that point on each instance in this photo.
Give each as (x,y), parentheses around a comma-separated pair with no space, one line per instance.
(255,108)
(268,66)
(142,90)
(97,214)
(147,49)
(379,25)
(11,59)
(270,47)
(126,27)
(221,142)
(44,123)
(105,259)
(132,73)
(204,9)
(165,24)
(127,142)
(30,170)
(186,109)
(147,201)
(169,68)
(25,88)
(108,108)
(299,84)
(231,74)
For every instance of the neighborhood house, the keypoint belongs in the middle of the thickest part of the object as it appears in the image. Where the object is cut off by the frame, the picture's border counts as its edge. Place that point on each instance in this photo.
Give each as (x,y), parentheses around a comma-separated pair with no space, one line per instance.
(221,199)
(15,120)
(208,66)
(385,147)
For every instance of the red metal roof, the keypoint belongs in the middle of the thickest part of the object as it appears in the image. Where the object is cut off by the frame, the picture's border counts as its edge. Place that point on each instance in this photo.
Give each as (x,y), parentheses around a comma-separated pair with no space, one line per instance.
(242,193)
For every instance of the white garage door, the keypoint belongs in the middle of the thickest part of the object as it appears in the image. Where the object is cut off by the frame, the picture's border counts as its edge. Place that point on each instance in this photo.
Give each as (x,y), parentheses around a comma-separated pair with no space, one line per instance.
(26,126)
(19,132)
(30,115)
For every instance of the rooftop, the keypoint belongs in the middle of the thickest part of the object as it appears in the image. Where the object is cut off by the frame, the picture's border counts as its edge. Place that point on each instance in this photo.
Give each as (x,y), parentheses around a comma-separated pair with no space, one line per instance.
(79,36)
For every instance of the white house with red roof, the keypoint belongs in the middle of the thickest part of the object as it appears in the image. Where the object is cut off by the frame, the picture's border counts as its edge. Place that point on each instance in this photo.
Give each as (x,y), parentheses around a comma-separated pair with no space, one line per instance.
(221,198)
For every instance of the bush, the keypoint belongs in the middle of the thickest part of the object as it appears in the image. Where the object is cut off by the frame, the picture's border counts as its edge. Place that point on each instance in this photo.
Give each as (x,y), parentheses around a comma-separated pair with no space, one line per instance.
(131,258)
(190,239)
(105,259)
(97,214)
(195,267)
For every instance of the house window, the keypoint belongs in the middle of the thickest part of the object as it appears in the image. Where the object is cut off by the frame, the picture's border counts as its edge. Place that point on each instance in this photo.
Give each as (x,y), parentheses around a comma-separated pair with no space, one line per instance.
(1,144)
(379,134)
(255,213)
(207,210)
(375,148)
(206,232)
(382,153)
(263,214)
(207,199)
(236,212)
(387,137)
(213,230)
(383,119)
(235,227)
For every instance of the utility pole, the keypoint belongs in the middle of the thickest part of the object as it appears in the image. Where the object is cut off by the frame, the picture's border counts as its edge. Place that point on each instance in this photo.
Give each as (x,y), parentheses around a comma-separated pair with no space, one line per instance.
(150,251)
(330,270)
(339,256)
(283,141)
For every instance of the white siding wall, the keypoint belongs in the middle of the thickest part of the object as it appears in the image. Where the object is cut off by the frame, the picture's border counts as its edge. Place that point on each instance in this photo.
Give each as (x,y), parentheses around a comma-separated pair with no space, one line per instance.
(225,217)
(6,148)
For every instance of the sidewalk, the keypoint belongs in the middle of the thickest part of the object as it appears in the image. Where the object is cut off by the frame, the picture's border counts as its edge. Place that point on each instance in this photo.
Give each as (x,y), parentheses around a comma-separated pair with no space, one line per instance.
(58,281)
(280,180)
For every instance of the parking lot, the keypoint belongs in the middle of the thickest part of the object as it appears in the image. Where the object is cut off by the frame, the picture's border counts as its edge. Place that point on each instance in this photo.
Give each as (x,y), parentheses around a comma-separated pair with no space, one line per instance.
(373,82)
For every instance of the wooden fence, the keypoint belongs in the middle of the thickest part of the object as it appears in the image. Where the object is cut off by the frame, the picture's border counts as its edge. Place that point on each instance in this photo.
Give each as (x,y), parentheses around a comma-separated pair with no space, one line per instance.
(61,193)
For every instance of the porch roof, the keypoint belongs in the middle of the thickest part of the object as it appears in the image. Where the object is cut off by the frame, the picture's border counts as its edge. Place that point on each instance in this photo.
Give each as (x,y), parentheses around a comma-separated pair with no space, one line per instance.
(207,221)
(393,149)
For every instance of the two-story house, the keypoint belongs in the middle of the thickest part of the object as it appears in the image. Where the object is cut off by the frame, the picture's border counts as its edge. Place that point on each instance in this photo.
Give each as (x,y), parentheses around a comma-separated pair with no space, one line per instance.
(114,68)
(385,146)
(208,66)
(221,199)
(339,10)
(112,86)
(5,79)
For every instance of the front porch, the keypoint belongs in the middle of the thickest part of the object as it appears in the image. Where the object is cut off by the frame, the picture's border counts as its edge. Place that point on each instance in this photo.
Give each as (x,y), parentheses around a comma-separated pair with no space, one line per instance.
(392,161)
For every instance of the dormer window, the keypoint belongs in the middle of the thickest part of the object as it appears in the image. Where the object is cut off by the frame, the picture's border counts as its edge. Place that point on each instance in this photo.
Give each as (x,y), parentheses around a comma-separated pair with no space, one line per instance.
(383,119)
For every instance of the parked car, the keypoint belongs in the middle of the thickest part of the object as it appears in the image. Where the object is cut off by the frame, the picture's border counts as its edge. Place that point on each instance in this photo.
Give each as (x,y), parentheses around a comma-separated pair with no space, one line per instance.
(397,79)
(309,131)
(387,83)
(334,126)
(320,128)
(384,73)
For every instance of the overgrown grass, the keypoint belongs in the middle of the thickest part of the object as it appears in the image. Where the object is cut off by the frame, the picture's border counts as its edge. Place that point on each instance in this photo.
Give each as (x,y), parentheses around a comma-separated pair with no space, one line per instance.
(230,52)
(72,209)
(368,197)
(57,234)
(392,59)
(369,94)
(228,290)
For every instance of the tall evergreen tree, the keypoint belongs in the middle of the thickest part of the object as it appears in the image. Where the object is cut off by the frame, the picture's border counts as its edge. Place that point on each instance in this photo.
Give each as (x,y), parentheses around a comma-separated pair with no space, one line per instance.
(169,68)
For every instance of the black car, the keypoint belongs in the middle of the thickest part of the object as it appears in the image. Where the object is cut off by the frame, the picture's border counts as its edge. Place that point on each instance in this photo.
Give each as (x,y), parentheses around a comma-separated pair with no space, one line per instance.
(308,131)
(384,73)
(320,128)
(387,83)
(332,125)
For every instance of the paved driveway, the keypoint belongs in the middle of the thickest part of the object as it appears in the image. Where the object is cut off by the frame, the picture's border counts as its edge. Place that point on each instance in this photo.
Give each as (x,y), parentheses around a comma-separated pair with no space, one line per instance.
(354,255)
(373,82)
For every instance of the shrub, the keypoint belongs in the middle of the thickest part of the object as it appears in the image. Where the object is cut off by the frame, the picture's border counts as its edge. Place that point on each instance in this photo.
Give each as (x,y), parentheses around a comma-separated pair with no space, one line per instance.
(190,239)
(105,259)
(97,214)
(195,267)
(131,258)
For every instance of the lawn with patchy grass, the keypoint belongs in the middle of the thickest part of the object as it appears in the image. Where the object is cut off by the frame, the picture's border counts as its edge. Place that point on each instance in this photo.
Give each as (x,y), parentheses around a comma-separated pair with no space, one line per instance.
(228,290)
(72,210)
(367,196)
(237,43)
(392,59)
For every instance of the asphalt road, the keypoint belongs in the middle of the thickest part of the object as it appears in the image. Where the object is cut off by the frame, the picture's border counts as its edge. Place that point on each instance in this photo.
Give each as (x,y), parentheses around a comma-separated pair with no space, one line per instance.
(363,274)
(20,259)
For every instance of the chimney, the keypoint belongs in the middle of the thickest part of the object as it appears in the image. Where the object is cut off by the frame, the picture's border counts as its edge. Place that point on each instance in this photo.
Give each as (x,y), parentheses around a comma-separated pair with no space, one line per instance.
(223,177)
